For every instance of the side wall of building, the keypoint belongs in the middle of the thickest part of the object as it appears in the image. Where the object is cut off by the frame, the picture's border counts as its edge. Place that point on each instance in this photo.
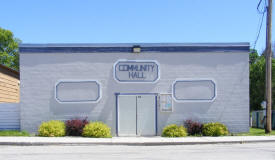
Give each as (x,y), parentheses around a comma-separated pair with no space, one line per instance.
(41,71)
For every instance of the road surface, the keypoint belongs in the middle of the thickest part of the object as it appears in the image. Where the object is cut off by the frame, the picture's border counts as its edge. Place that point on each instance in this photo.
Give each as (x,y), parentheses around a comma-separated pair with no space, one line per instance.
(255,151)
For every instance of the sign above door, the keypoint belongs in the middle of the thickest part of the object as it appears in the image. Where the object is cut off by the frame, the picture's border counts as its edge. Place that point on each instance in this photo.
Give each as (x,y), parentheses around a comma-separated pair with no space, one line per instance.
(136,71)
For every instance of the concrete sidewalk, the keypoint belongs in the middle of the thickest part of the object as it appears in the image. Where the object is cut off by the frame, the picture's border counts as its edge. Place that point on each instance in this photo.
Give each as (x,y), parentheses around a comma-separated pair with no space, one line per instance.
(150,141)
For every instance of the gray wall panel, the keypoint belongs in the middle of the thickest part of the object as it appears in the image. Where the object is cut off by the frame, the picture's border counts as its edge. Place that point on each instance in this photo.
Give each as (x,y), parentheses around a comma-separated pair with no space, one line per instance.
(40,72)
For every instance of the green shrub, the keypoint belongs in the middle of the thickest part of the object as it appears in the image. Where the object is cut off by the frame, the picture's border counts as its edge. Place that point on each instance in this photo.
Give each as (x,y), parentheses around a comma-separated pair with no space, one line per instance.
(97,130)
(52,128)
(174,130)
(214,129)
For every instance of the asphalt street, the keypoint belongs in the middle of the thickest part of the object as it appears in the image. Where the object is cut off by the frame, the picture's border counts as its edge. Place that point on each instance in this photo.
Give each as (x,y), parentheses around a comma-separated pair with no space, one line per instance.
(251,151)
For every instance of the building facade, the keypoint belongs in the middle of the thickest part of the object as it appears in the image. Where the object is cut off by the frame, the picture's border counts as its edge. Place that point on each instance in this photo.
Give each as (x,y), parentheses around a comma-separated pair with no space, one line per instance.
(136,89)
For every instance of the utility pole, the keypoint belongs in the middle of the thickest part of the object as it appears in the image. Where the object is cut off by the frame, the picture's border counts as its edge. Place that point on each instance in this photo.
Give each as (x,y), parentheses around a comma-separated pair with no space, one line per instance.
(268,60)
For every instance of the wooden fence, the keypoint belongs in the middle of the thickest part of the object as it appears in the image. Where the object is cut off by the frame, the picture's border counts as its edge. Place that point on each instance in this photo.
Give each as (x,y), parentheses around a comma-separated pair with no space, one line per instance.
(258,119)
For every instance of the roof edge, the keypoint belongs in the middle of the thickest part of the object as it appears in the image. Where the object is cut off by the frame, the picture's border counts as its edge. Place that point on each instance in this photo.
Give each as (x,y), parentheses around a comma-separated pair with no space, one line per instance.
(133,44)
(128,47)
(9,69)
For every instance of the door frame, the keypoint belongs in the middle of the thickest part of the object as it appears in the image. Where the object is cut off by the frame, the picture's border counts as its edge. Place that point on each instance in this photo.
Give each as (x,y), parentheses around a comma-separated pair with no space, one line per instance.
(156,108)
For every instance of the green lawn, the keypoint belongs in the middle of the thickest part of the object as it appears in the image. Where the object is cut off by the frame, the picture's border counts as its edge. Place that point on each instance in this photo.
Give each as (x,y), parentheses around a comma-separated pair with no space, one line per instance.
(255,132)
(252,132)
(14,133)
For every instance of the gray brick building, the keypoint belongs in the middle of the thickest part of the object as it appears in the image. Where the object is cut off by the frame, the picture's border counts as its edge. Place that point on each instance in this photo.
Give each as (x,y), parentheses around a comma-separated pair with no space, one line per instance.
(136,89)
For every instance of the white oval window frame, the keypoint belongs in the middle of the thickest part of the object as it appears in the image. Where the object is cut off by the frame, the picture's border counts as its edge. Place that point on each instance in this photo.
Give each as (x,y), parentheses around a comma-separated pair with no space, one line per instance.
(77,81)
(194,100)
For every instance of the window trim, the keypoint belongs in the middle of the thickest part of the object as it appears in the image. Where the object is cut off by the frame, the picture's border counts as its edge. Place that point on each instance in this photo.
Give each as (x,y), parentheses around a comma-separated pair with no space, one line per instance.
(77,101)
(194,100)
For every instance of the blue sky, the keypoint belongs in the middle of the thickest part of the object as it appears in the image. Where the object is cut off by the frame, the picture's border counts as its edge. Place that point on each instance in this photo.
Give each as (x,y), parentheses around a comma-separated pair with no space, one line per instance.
(126,21)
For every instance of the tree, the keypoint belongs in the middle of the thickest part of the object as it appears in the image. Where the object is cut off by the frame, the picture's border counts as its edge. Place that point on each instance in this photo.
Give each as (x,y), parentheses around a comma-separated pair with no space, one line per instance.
(253,56)
(9,55)
(257,81)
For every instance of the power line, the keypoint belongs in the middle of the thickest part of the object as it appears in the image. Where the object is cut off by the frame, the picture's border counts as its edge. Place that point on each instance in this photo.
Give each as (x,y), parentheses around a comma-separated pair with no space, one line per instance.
(258,7)
(262,12)
(259,31)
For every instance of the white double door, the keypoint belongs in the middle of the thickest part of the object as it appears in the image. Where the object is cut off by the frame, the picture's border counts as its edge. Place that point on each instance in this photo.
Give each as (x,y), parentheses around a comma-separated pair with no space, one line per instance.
(136,115)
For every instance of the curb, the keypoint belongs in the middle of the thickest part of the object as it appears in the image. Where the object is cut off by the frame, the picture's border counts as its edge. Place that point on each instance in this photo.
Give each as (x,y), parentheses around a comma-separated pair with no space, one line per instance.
(130,143)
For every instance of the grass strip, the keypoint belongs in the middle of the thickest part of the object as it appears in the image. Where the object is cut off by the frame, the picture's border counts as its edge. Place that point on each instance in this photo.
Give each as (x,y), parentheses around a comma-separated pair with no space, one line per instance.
(14,133)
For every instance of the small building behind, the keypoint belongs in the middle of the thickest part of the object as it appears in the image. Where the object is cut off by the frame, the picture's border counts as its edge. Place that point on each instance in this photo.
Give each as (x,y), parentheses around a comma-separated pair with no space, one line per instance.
(9,85)
(9,99)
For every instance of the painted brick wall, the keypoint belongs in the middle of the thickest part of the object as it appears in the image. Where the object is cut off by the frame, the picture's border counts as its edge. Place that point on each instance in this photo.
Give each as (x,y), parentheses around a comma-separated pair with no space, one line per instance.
(40,72)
